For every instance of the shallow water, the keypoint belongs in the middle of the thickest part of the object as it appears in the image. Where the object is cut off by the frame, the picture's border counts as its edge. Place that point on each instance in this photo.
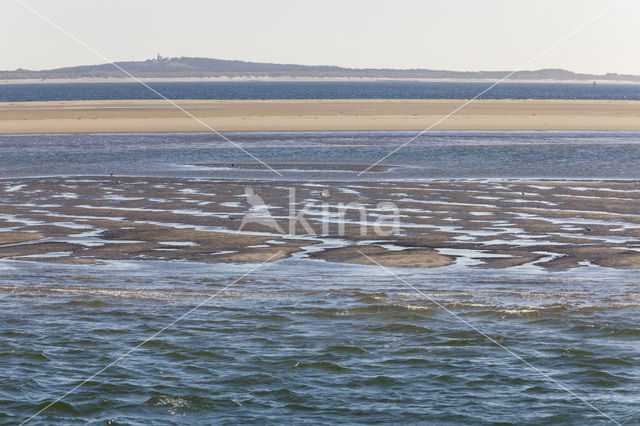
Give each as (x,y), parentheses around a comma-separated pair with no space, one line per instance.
(305,341)
(318,343)
(469,154)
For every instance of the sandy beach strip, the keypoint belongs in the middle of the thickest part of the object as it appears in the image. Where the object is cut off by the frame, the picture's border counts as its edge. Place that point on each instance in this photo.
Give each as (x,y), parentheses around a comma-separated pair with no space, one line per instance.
(315,115)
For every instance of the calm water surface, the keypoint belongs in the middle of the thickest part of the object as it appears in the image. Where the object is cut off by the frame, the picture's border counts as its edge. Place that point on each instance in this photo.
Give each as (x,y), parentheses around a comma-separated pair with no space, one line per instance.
(314,90)
(574,155)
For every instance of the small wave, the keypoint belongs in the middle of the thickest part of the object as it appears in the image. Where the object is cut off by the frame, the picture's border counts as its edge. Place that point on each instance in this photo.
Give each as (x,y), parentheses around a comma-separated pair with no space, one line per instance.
(373,298)
(261,339)
(177,355)
(209,354)
(537,390)
(572,351)
(87,304)
(168,401)
(407,361)
(282,394)
(622,361)
(346,349)
(379,380)
(505,313)
(299,407)
(247,379)
(273,317)
(34,356)
(177,403)
(601,378)
(402,328)
(388,309)
(323,365)
(59,406)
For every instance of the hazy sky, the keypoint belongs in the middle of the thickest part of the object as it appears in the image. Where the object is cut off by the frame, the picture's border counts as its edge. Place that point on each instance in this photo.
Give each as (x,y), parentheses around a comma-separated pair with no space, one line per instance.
(436,34)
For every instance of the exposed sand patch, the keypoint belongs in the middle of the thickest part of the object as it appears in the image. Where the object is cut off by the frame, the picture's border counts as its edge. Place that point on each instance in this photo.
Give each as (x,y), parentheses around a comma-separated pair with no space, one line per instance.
(19,237)
(215,240)
(625,260)
(37,248)
(508,262)
(413,258)
(119,251)
(316,115)
(258,255)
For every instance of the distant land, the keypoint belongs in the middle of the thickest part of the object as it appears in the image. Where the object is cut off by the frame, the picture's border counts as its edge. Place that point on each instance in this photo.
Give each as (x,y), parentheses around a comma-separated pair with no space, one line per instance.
(206,68)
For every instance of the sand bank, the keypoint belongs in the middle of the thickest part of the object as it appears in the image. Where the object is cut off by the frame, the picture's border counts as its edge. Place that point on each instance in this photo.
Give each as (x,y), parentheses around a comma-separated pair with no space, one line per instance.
(315,115)
(553,225)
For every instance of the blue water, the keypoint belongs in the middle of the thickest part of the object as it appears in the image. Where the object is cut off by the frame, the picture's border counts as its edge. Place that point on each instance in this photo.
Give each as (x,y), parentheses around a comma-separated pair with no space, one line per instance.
(307,342)
(450,154)
(313,90)
(316,343)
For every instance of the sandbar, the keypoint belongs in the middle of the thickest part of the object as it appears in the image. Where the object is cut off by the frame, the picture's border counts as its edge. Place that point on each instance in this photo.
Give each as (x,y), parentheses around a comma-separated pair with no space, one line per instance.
(546,225)
(146,116)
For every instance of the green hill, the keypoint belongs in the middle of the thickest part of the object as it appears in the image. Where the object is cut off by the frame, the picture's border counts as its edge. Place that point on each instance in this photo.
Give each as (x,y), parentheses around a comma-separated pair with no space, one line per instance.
(205,67)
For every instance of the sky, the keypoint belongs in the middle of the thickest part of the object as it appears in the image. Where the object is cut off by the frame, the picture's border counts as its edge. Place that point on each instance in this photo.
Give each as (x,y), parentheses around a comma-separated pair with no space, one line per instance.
(465,35)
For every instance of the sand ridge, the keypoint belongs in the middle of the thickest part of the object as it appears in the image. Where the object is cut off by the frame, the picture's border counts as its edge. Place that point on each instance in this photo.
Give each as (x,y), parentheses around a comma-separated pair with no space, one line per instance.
(315,115)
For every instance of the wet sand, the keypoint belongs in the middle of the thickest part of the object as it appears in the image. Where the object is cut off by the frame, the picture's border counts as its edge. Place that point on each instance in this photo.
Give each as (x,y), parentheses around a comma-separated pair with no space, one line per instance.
(315,115)
(548,225)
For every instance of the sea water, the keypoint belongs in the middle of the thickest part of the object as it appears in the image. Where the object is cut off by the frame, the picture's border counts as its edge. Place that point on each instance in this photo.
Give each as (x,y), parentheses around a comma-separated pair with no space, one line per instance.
(306,341)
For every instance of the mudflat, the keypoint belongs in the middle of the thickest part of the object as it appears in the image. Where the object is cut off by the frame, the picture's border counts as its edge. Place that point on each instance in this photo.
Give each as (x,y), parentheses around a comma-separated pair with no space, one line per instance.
(554,225)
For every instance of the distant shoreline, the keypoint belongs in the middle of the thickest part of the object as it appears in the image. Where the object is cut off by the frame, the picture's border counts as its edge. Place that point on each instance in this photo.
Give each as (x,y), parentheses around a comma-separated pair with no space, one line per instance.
(157,116)
(212,69)
(308,79)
